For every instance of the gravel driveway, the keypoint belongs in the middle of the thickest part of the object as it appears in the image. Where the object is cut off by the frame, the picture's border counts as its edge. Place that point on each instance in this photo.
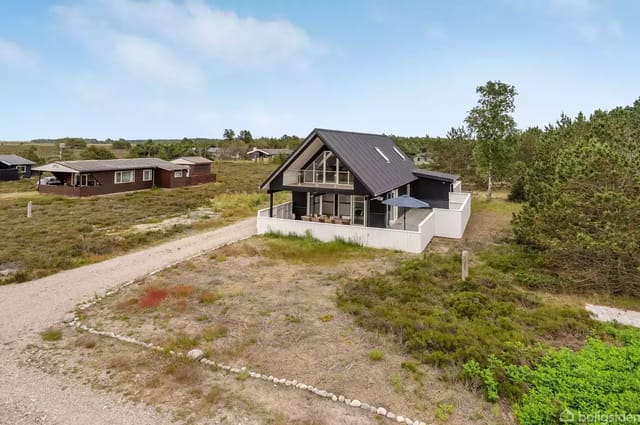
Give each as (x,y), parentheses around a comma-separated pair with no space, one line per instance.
(29,396)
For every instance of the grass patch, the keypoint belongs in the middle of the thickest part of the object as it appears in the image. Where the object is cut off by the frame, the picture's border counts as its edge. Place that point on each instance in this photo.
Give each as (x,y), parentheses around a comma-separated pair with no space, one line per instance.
(84,230)
(51,334)
(376,355)
(306,249)
(442,320)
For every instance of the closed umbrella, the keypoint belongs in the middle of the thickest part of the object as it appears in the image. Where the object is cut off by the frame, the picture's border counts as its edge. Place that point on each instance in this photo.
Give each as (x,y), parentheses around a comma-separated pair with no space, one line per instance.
(406,201)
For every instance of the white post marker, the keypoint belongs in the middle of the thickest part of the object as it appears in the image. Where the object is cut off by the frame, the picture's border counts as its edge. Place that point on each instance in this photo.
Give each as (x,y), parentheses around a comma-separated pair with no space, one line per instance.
(29,207)
(465,265)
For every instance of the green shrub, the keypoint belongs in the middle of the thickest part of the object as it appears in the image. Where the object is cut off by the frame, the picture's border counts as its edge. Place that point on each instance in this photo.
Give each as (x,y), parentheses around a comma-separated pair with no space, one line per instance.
(376,355)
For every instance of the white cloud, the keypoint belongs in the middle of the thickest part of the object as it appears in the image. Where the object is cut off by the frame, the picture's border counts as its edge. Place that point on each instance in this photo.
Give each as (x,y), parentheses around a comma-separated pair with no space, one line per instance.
(148,59)
(12,55)
(184,37)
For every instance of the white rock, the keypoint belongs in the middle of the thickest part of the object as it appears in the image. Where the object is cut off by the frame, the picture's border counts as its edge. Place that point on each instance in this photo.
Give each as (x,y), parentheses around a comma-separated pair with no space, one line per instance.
(408,421)
(69,317)
(340,398)
(195,354)
(334,398)
(373,409)
(235,370)
(303,386)
(355,403)
(287,383)
(322,393)
(399,419)
(365,406)
(294,382)
(391,415)
(347,401)
(282,380)
(270,378)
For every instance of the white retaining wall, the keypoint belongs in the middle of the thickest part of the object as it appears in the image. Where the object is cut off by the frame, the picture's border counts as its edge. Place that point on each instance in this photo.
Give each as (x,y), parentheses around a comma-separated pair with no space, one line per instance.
(448,223)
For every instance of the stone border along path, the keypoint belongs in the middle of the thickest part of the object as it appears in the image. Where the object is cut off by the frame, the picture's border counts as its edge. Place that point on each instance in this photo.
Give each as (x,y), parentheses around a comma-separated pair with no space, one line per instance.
(73,319)
(29,395)
(196,355)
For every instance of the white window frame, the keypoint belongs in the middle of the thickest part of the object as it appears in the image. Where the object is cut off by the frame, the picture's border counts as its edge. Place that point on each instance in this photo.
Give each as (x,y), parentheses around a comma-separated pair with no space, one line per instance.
(177,174)
(147,175)
(21,169)
(81,180)
(121,173)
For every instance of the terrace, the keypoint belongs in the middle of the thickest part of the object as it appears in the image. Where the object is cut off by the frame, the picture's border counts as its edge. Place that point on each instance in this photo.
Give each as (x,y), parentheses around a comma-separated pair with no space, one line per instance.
(421,225)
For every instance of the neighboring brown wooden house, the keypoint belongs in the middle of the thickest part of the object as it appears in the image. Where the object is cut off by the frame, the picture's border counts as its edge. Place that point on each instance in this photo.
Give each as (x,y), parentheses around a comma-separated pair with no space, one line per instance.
(199,170)
(14,167)
(99,177)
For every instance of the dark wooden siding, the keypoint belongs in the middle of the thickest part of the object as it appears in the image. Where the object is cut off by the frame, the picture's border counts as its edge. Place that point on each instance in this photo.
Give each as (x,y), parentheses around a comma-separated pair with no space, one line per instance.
(8,174)
(435,192)
(199,169)
(299,200)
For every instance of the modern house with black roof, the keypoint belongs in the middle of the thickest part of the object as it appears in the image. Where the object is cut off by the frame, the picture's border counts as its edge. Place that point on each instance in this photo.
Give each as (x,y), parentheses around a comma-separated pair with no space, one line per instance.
(14,167)
(342,178)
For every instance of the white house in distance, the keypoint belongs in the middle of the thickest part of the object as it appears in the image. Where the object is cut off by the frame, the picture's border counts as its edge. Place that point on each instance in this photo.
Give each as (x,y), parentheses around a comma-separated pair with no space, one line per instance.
(338,181)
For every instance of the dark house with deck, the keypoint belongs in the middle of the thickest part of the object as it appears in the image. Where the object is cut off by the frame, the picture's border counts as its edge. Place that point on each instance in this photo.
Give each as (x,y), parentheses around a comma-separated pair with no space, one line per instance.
(342,177)
(14,167)
(256,154)
(99,177)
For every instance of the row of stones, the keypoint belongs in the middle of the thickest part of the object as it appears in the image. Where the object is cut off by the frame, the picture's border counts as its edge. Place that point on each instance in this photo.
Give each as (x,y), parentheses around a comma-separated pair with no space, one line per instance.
(197,355)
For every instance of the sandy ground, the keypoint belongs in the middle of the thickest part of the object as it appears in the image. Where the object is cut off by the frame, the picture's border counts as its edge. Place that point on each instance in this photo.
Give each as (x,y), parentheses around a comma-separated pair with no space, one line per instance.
(611,314)
(281,319)
(30,396)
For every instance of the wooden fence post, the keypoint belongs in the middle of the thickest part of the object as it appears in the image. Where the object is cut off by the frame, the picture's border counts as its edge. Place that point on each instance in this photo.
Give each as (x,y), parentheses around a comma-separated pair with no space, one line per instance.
(29,207)
(465,265)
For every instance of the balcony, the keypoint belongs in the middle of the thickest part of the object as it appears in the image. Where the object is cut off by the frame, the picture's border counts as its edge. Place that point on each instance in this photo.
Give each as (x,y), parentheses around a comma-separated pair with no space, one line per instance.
(311,178)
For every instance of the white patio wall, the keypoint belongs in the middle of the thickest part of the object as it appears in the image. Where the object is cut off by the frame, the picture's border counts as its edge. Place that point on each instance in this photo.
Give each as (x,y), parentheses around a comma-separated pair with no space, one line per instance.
(448,223)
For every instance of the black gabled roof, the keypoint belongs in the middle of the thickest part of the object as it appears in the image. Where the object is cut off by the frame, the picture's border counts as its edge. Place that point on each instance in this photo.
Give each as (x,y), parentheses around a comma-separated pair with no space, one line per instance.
(436,175)
(358,152)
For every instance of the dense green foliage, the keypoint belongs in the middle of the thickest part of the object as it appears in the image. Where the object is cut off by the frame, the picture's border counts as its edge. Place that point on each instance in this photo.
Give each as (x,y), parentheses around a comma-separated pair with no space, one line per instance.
(96,152)
(602,378)
(583,192)
(442,320)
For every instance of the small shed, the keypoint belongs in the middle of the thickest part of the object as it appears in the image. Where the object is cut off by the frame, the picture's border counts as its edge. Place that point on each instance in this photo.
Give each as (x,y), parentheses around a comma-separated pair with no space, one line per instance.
(14,167)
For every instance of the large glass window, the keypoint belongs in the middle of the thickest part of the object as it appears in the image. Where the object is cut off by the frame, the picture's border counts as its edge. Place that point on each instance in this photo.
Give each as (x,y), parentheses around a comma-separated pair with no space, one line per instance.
(344,205)
(358,206)
(327,169)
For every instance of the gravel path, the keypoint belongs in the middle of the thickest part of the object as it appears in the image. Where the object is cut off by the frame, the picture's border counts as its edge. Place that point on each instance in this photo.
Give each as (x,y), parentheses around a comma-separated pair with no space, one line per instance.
(611,314)
(29,396)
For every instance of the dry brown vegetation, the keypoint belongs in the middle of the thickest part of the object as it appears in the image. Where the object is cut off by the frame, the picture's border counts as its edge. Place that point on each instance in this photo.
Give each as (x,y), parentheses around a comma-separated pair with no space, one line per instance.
(69,232)
(250,304)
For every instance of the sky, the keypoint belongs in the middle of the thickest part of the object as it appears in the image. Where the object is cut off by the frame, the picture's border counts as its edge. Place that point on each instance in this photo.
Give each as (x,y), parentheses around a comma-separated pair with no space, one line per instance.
(191,68)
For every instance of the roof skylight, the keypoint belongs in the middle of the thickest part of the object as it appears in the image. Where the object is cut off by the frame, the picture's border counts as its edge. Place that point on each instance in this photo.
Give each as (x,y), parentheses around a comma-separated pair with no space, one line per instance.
(386,158)
(400,154)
